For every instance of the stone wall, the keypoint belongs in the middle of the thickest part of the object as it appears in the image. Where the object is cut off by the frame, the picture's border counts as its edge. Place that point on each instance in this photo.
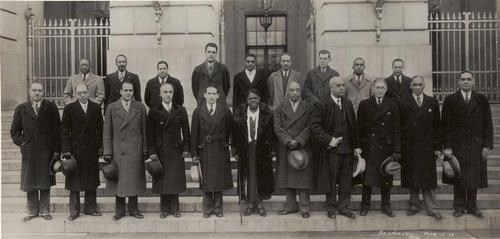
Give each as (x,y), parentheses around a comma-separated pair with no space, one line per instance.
(13,51)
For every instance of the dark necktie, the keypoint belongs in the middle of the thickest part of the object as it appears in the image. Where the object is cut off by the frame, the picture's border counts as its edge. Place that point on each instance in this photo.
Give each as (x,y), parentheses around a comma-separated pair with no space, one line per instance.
(467,99)
(379,101)
(285,80)
(162,80)
(398,81)
(37,109)
(252,128)
(211,111)
(419,101)
(84,77)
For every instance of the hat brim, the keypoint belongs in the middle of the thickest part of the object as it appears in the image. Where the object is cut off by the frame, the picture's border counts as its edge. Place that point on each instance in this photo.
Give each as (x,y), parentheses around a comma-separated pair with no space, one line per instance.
(293,160)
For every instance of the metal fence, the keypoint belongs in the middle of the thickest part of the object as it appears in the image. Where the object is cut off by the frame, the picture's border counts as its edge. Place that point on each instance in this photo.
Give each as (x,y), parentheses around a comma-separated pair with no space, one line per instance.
(464,41)
(56,46)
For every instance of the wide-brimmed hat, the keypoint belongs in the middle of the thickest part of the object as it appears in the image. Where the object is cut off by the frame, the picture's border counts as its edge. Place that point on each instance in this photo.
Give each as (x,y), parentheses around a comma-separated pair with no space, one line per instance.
(451,167)
(389,167)
(155,168)
(69,166)
(360,166)
(298,159)
(110,171)
(196,174)
(55,166)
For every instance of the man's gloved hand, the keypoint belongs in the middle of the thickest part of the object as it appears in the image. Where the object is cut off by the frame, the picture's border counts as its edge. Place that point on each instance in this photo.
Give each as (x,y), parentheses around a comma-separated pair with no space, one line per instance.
(66,155)
(396,156)
(485,154)
(448,152)
(357,152)
(196,159)
(293,144)
(108,158)
(186,154)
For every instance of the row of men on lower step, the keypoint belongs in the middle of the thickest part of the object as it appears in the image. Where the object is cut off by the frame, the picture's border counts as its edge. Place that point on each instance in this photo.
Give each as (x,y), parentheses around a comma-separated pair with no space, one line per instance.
(315,148)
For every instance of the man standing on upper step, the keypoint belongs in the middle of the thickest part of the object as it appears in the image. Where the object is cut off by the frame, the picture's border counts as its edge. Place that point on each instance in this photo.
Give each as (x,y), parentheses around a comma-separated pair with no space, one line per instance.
(92,81)
(420,145)
(152,96)
(81,130)
(278,81)
(468,134)
(316,84)
(113,82)
(358,85)
(213,73)
(36,129)
(398,84)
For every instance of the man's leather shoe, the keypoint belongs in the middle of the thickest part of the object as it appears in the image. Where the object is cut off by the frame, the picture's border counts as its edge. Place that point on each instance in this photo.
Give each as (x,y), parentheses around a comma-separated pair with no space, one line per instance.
(388,212)
(348,214)
(219,214)
(458,213)
(262,212)
(118,217)
(411,212)
(363,212)
(163,214)
(248,211)
(137,215)
(95,214)
(284,212)
(72,218)
(435,215)
(46,216)
(306,214)
(176,214)
(476,213)
(29,217)
(331,215)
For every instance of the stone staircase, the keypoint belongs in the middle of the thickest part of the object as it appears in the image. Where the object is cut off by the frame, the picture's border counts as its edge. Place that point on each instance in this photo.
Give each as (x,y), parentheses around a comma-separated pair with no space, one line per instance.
(14,205)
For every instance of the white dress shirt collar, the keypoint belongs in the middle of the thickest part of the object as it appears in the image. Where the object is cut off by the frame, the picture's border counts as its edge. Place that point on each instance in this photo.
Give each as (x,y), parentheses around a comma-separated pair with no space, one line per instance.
(159,79)
(250,74)
(254,115)
(168,106)
(295,105)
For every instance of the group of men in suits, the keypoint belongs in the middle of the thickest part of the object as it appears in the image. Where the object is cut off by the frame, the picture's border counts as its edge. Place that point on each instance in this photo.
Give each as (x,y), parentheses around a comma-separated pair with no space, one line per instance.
(319,129)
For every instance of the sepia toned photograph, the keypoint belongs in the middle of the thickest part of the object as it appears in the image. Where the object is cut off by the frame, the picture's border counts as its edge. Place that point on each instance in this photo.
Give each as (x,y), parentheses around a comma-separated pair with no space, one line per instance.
(250,119)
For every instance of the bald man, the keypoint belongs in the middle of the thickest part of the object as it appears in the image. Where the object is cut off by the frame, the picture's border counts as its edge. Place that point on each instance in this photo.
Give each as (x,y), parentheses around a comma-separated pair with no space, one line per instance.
(333,125)
(93,82)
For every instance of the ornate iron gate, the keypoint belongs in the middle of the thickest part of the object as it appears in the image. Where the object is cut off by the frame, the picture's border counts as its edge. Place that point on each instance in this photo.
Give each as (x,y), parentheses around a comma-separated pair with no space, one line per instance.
(464,41)
(56,46)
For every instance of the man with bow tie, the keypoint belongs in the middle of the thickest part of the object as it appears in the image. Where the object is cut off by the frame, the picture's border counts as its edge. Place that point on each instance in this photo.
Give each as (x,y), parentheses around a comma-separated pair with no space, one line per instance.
(420,145)
(211,127)
(36,129)
(92,81)
(278,81)
(211,72)
(124,142)
(379,136)
(152,96)
(316,83)
(81,133)
(113,82)
(169,141)
(468,135)
(358,85)
(398,84)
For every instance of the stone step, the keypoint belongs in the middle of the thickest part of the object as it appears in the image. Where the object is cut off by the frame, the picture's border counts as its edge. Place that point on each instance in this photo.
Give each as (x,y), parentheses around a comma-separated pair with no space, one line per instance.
(231,204)
(12,190)
(233,222)
(13,177)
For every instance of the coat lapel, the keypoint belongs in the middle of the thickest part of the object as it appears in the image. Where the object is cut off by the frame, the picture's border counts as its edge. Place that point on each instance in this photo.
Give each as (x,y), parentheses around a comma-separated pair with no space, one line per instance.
(384,107)
(132,112)
(204,113)
(294,116)
(278,86)
(30,111)
(472,102)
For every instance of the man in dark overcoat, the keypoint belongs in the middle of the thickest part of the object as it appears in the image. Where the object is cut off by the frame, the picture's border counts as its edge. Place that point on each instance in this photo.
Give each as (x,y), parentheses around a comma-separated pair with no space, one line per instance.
(36,129)
(213,73)
(420,145)
(291,126)
(113,82)
(124,142)
(398,84)
(468,134)
(379,135)
(81,134)
(152,92)
(247,79)
(316,84)
(212,126)
(254,140)
(333,125)
(169,140)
